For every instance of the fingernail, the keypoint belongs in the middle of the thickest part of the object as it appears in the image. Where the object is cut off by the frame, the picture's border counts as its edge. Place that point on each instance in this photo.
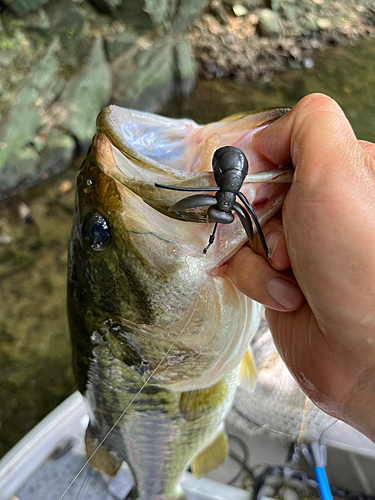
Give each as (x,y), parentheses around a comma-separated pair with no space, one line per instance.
(272,241)
(284,293)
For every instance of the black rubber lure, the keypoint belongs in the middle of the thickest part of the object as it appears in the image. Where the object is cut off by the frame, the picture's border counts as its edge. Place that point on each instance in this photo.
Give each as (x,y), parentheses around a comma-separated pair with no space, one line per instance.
(230,167)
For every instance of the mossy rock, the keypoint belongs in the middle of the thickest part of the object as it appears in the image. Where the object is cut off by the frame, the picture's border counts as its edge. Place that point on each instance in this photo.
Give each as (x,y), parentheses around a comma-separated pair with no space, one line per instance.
(143,15)
(22,7)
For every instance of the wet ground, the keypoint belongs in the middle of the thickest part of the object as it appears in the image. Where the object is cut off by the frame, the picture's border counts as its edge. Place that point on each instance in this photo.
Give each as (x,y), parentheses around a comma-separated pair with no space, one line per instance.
(35,356)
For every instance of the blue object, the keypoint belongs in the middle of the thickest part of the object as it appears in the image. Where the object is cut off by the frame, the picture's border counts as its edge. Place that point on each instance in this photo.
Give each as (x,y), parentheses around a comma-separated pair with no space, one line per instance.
(321,478)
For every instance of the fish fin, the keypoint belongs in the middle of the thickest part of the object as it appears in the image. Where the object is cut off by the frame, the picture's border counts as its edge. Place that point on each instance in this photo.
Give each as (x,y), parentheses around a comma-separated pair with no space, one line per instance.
(103,460)
(211,457)
(248,370)
(195,404)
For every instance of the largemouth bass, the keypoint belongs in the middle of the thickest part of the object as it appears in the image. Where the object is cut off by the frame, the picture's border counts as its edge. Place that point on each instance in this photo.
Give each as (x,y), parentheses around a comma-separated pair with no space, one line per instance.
(158,335)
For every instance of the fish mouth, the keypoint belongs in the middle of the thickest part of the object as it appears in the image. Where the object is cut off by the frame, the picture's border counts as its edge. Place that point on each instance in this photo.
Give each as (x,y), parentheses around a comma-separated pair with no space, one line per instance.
(141,149)
(200,324)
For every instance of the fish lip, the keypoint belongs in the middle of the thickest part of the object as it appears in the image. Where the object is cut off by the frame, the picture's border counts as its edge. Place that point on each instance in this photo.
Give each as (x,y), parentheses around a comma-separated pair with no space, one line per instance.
(186,133)
(110,121)
(114,150)
(125,150)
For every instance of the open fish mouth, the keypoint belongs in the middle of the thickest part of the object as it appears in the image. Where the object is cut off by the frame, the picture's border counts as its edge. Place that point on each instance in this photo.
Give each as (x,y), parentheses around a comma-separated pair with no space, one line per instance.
(152,286)
(141,149)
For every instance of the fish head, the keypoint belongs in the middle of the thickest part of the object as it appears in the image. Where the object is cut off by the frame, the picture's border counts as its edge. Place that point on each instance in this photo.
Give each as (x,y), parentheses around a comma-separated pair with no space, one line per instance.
(138,278)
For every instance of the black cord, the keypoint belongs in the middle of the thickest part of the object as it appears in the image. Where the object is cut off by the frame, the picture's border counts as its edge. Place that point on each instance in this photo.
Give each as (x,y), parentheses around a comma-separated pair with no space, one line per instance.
(243,461)
(284,471)
(244,468)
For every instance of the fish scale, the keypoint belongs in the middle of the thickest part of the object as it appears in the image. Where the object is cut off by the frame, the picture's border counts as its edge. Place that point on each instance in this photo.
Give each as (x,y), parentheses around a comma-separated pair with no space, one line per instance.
(146,436)
(158,333)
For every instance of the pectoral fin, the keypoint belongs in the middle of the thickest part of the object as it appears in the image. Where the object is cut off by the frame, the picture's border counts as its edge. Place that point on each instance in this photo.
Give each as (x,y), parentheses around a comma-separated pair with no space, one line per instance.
(211,457)
(103,460)
(195,404)
(248,371)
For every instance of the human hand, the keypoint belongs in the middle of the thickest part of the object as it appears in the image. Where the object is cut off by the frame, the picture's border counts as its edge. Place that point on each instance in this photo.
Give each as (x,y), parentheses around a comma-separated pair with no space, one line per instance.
(319,286)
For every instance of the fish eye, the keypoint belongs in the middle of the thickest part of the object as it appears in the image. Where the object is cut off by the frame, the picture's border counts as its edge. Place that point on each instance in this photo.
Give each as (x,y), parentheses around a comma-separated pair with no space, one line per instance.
(96,232)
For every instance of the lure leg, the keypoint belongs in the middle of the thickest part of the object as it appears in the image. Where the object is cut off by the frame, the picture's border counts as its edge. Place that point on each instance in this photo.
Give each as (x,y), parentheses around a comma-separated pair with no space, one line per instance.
(176,188)
(211,238)
(194,201)
(245,220)
(250,209)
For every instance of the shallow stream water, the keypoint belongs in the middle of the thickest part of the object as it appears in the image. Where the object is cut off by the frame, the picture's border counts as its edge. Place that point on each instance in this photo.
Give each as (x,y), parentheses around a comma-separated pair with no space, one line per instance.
(35,355)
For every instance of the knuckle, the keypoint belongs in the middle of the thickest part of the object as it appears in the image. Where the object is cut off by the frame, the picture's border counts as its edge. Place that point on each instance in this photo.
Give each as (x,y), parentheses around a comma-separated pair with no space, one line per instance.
(308,106)
(243,267)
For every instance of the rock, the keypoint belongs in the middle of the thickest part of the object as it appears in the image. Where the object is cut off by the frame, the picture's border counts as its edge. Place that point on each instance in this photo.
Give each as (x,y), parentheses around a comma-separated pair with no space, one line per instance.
(6,235)
(19,168)
(26,167)
(56,155)
(276,4)
(184,68)
(269,23)
(239,10)
(65,186)
(144,78)
(63,85)
(253,4)
(218,10)
(24,116)
(23,211)
(308,62)
(248,4)
(7,58)
(143,15)
(310,24)
(133,12)
(158,10)
(149,77)
(186,13)
(324,23)
(83,96)
(66,19)
(116,46)
(37,19)
(22,7)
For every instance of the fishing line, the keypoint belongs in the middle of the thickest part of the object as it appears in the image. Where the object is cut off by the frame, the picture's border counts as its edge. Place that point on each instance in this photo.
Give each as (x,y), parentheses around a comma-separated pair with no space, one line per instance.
(85,485)
(133,399)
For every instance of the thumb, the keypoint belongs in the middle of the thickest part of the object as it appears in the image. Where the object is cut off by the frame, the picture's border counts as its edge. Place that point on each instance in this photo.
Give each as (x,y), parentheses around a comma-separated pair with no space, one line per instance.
(316,137)
(329,211)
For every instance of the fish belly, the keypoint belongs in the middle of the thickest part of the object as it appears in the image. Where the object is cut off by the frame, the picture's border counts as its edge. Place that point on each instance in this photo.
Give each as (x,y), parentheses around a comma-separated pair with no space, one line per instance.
(161,432)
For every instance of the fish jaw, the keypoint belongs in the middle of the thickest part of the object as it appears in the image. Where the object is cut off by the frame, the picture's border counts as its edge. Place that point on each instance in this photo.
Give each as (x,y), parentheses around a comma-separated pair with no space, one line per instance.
(126,145)
(152,289)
